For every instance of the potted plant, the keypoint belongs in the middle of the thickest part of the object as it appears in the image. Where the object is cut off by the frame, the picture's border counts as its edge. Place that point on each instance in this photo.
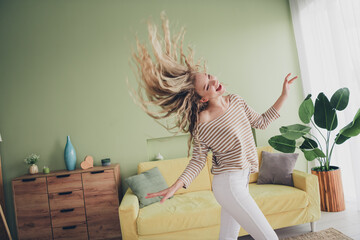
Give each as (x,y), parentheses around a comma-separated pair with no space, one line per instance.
(32,160)
(325,117)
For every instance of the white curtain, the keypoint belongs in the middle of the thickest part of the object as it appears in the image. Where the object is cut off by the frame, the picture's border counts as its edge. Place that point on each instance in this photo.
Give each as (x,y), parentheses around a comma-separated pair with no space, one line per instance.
(327,34)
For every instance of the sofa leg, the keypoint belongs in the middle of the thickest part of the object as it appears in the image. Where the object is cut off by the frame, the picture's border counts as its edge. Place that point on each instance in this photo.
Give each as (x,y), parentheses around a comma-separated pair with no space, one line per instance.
(313,226)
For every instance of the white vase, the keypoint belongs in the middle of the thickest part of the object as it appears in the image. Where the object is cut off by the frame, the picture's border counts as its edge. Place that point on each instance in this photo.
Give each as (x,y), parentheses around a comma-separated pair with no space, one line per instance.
(159,157)
(33,169)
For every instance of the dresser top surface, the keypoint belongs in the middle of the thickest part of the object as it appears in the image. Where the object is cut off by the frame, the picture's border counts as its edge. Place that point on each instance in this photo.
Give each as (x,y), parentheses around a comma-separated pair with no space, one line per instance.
(63,172)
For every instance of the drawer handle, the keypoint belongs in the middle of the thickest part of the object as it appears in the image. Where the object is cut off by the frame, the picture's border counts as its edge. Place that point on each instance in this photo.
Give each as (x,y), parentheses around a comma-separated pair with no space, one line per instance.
(67,210)
(95,172)
(62,176)
(28,180)
(69,227)
(65,193)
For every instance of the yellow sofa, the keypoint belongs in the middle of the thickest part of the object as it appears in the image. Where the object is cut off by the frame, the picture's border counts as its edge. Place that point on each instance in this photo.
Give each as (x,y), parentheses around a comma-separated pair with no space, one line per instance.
(194,213)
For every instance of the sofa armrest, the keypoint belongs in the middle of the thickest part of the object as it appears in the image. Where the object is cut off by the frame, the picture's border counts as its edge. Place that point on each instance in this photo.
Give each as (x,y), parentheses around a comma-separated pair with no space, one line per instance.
(128,213)
(309,183)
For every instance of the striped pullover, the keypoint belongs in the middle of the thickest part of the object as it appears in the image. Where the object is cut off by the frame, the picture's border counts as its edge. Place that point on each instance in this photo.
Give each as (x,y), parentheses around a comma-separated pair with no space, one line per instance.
(230,139)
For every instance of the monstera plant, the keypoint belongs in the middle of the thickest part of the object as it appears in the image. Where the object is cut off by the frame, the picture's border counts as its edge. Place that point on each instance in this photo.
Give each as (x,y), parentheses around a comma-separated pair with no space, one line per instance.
(322,115)
(325,117)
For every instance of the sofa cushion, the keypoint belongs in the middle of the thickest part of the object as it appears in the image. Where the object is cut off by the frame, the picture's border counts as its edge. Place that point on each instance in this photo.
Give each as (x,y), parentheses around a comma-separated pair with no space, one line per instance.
(172,169)
(273,198)
(277,168)
(184,211)
(147,182)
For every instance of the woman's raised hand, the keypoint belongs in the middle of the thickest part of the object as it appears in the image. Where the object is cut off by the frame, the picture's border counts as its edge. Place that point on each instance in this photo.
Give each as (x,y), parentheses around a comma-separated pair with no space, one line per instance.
(168,192)
(286,84)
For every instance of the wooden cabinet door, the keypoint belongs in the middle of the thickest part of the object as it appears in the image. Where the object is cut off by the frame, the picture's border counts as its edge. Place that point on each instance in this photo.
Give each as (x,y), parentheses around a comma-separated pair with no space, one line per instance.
(32,208)
(101,204)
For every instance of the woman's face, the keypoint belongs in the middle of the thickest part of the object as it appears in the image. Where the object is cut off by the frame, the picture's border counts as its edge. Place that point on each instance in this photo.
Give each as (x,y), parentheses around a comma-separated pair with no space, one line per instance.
(208,87)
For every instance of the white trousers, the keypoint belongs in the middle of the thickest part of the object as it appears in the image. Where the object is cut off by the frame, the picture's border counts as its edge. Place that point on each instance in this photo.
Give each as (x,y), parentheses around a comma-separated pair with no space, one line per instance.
(238,208)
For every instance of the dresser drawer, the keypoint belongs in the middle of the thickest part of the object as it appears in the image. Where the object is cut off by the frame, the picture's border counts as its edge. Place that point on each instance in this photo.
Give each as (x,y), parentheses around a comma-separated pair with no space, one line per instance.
(99,182)
(65,200)
(76,231)
(68,216)
(30,186)
(64,182)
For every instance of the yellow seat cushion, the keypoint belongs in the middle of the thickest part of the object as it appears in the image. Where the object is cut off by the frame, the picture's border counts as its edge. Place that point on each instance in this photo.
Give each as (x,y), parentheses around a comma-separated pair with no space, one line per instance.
(182,212)
(172,169)
(273,198)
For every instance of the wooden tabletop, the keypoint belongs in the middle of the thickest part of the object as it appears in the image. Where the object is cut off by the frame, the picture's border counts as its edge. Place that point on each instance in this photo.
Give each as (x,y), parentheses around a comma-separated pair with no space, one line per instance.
(62,172)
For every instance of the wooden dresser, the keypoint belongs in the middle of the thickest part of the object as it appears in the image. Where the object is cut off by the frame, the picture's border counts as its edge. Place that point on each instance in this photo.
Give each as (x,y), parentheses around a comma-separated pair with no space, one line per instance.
(79,204)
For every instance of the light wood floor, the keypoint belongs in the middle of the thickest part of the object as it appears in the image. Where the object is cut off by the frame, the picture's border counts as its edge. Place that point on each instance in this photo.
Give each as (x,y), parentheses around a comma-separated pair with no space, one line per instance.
(347,222)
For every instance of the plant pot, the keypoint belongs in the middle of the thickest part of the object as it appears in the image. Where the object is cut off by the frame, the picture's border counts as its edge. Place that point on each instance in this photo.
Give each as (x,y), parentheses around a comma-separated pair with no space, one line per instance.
(331,189)
(33,169)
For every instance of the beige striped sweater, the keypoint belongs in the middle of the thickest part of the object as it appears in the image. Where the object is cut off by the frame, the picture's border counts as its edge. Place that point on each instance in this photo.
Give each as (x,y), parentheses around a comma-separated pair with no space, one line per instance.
(230,138)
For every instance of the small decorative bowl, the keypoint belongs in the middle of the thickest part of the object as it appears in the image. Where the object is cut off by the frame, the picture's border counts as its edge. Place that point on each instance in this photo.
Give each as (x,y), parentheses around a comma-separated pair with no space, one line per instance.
(105,162)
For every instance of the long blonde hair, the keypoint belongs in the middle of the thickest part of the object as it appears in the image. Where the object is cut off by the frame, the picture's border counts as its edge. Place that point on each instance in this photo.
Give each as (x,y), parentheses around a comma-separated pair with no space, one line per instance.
(168,81)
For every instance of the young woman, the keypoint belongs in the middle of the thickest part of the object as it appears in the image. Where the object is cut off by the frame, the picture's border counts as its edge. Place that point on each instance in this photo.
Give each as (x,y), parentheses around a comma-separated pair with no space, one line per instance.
(215,122)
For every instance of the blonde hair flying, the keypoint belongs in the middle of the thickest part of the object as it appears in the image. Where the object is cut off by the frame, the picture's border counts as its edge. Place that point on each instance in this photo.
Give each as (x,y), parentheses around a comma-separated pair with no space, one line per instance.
(167,80)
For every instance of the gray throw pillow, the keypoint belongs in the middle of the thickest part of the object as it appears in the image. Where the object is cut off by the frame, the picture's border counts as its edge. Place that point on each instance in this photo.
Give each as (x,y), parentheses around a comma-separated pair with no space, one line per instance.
(147,182)
(277,168)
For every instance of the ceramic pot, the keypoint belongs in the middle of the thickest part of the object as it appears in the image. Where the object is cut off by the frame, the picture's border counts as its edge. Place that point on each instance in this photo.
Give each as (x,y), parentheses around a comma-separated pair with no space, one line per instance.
(33,169)
(69,155)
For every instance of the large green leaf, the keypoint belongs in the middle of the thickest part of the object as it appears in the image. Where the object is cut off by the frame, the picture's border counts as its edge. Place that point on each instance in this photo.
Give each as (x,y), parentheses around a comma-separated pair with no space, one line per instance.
(308,144)
(306,109)
(340,99)
(312,154)
(282,144)
(325,115)
(340,138)
(353,128)
(295,131)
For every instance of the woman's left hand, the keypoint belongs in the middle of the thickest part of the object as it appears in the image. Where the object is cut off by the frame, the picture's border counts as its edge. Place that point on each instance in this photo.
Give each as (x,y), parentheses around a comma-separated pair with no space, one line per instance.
(286,84)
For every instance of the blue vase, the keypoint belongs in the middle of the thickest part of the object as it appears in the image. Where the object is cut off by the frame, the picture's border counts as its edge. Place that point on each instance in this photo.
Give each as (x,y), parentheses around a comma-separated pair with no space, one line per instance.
(69,155)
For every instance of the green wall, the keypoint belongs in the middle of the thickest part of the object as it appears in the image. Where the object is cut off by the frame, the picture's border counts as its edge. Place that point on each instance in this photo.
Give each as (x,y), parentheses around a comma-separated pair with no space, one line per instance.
(63,66)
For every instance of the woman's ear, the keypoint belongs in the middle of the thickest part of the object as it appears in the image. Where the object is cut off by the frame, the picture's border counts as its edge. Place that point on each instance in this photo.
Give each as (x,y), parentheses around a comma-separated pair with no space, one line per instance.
(204,100)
